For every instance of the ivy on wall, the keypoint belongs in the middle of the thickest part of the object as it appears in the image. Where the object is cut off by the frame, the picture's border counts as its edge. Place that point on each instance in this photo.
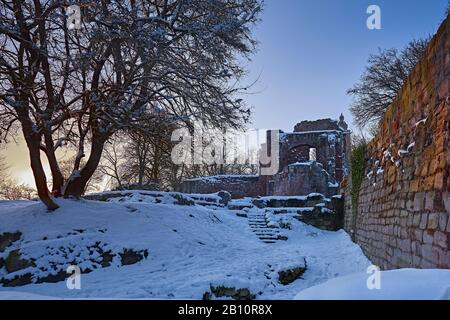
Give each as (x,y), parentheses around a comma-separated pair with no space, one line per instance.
(358,167)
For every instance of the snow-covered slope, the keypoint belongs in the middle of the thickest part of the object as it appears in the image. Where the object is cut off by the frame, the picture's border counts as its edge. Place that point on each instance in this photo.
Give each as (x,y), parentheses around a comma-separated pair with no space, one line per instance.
(402,284)
(190,249)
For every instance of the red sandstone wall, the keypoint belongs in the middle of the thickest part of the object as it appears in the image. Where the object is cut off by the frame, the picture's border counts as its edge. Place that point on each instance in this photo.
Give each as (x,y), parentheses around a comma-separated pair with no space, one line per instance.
(402,219)
(238,188)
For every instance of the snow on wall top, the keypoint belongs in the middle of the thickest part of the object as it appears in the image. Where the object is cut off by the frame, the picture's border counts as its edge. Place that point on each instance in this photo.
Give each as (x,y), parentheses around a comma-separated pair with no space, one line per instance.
(225,177)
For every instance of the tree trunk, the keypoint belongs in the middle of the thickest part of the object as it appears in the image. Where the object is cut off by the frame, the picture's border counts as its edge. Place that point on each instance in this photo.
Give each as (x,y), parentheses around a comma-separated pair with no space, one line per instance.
(77,184)
(57,177)
(39,175)
(33,141)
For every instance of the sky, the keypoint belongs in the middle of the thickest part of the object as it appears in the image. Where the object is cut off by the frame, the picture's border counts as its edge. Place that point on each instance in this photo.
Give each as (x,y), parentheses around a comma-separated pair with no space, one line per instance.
(310,52)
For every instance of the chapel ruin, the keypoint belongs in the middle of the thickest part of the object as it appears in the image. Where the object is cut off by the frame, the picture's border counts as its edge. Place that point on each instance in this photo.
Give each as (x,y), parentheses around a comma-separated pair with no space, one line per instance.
(313,158)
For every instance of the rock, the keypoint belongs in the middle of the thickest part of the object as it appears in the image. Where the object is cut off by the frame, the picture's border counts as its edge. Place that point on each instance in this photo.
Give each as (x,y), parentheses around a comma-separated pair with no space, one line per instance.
(286,277)
(14,262)
(225,196)
(325,221)
(288,202)
(183,201)
(315,197)
(106,196)
(107,258)
(52,278)
(242,215)
(7,238)
(280,211)
(151,186)
(18,281)
(206,296)
(259,203)
(244,294)
(285,225)
(131,257)
(292,202)
(239,206)
(236,294)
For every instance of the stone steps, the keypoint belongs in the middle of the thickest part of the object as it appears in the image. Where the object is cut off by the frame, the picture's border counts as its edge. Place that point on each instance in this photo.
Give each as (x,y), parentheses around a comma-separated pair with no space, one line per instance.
(267,234)
(309,200)
(263,233)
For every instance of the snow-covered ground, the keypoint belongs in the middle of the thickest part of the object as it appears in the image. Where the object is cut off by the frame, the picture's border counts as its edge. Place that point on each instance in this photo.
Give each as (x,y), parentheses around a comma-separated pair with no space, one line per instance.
(402,284)
(190,248)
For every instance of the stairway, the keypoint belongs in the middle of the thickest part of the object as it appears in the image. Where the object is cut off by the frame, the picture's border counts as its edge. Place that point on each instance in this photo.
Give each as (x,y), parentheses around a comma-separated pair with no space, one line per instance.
(265,232)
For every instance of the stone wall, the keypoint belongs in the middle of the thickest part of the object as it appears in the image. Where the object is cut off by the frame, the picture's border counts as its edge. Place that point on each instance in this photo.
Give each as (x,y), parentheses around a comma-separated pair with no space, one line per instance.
(321,124)
(239,186)
(402,218)
(301,179)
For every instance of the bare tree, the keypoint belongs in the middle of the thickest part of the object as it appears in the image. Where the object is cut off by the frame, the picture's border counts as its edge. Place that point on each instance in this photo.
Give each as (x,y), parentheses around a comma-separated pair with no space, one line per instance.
(14,191)
(143,158)
(93,184)
(4,168)
(128,60)
(233,158)
(140,157)
(384,76)
(9,188)
(112,163)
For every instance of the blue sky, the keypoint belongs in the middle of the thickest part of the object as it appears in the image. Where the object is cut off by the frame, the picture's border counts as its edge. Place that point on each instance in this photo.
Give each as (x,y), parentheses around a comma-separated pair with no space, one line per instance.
(312,51)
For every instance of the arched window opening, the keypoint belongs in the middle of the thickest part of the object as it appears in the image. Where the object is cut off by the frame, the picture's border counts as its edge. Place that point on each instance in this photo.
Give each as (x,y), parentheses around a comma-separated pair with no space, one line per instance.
(312,154)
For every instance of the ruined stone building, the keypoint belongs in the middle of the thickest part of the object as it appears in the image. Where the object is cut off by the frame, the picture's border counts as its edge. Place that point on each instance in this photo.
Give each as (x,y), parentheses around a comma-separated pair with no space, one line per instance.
(312,158)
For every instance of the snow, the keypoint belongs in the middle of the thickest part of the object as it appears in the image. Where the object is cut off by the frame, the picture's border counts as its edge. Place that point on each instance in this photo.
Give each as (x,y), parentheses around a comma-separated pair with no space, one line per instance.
(401,284)
(311,195)
(291,209)
(387,154)
(304,163)
(17,295)
(190,248)
(332,134)
(223,177)
(423,121)
(333,185)
(409,148)
(240,202)
(331,138)
(147,196)
(326,210)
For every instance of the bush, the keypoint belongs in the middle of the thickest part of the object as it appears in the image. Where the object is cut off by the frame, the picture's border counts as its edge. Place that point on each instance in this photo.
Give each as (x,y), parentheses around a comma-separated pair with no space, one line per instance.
(358,167)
